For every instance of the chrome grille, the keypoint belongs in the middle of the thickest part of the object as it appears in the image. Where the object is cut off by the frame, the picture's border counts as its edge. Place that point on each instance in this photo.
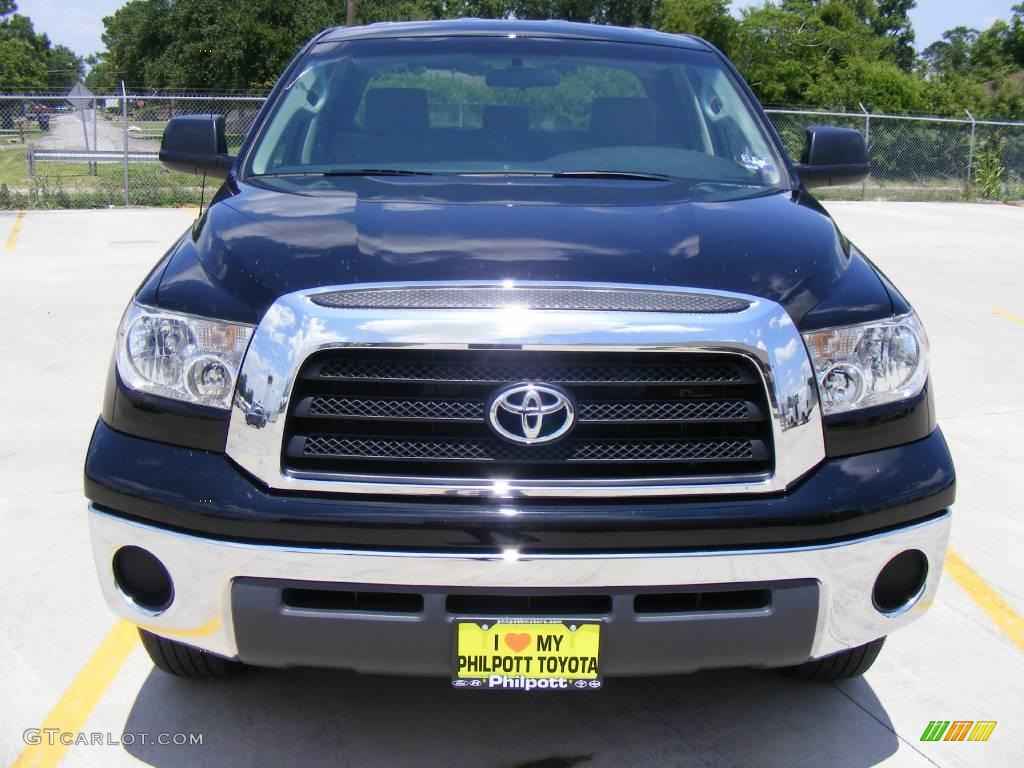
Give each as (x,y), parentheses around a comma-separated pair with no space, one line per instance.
(422,413)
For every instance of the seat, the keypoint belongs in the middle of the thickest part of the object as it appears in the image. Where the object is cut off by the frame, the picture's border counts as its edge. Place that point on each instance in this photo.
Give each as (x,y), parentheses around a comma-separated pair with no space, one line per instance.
(396,112)
(622,121)
(505,121)
(395,122)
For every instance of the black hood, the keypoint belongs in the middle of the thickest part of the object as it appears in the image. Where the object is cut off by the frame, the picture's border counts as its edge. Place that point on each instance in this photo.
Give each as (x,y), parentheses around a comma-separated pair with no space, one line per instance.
(256,243)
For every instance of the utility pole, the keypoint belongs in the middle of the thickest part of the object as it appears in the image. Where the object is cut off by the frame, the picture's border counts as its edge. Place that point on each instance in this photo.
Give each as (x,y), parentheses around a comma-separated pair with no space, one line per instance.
(350,19)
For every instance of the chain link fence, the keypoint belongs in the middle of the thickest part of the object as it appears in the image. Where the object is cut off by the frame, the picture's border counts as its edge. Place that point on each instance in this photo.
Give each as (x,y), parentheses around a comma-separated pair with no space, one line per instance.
(60,152)
(921,158)
(101,150)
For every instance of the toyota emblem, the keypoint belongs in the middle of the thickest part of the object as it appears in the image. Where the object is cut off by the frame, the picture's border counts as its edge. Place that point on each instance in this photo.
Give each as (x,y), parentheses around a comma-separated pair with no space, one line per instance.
(531,414)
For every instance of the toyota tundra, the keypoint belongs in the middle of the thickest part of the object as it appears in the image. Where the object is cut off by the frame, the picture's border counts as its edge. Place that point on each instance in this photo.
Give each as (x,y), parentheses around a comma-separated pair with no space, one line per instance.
(517,353)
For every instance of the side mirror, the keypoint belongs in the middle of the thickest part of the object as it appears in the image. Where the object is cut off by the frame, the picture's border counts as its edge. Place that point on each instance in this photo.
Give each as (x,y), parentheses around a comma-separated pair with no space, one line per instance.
(196,144)
(833,156)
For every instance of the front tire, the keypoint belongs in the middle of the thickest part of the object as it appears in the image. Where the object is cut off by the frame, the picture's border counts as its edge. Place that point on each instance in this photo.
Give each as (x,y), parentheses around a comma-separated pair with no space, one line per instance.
(182,660)
(852,662)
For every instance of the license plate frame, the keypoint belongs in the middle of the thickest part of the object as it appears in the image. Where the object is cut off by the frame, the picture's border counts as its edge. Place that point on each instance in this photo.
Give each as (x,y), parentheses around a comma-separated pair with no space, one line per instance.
(526,654)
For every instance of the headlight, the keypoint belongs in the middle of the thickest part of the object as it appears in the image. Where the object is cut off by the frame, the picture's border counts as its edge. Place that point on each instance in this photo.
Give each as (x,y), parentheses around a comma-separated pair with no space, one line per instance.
(872,364)
(180,356)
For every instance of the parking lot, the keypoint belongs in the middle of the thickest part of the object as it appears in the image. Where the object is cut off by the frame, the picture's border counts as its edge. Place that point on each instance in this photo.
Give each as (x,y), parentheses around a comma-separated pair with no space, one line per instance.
(65,277)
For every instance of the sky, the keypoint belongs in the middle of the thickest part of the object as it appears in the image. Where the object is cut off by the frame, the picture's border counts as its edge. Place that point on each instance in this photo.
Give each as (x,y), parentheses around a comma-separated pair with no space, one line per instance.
(78,24)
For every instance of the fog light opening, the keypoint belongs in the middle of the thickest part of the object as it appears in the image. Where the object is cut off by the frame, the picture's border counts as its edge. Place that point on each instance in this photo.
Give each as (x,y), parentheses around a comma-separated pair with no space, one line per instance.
(900,583)
(142,580)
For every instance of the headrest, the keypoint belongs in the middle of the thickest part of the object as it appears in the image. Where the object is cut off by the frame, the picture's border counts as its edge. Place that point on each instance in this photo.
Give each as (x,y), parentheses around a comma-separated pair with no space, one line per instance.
(506,120)
(396,111)
(620,121)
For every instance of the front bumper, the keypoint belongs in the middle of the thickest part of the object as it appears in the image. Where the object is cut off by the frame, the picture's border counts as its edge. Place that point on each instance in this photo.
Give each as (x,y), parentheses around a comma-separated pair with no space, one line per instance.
(205,494)
(227,598)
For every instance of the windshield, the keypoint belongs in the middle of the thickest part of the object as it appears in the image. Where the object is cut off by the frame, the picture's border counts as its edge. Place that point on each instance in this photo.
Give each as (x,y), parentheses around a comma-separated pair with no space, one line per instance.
(517,106)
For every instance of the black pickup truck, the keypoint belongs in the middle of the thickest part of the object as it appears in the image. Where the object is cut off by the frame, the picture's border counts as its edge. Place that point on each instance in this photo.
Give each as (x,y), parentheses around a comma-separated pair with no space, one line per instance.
(516,353)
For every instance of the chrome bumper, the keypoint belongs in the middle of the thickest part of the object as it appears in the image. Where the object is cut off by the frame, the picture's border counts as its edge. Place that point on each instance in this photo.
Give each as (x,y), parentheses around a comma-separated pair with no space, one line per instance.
(203,571)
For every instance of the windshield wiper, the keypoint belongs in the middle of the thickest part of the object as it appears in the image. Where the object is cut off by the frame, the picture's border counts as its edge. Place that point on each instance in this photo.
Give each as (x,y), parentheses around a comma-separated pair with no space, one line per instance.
(725,183)
(576,174)
(612,175)
(348,172)
(373,172)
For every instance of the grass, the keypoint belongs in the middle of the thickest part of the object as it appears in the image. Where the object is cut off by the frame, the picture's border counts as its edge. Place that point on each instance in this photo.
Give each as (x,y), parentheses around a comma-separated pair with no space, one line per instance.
(24,129)
(896,192)
(13,166)
(72,185)
(148,129)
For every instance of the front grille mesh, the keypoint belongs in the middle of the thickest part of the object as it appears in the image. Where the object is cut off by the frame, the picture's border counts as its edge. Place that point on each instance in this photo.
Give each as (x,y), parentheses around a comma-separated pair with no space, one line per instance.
(424,413)
(491,451)
(395,409)
(468,410)
(486,297)
(494,373)
(659,410)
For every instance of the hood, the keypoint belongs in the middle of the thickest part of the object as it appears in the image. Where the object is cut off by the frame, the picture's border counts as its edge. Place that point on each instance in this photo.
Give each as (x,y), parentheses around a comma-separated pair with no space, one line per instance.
(256,243)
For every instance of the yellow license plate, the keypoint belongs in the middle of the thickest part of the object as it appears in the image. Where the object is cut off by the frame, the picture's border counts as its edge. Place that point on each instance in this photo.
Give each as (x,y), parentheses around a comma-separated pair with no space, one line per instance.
(527,655)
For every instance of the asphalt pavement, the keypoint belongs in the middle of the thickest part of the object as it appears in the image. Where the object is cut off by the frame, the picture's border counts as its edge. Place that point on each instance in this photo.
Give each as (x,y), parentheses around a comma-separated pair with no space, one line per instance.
(102,134)
(65,277)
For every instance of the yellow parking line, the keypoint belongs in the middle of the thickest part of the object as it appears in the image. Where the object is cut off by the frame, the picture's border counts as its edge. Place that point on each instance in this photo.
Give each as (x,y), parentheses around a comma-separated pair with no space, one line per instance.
(78,701)
(986,598)
(1008,315)
(15,230)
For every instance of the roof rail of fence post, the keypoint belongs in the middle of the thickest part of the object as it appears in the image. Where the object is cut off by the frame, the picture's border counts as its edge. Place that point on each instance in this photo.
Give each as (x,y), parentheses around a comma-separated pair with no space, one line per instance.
(867,143)
(783,111)
(970,154)
(1010,123)
(124,125)
(196,97)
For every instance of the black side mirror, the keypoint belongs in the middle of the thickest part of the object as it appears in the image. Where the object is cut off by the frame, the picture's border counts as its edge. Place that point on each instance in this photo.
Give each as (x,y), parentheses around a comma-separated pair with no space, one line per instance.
(196,144)
(833,156)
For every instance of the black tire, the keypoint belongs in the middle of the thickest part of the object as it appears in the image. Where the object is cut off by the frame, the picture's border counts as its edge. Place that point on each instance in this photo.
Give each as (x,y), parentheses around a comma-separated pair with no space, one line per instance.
(185,661)
(839,666)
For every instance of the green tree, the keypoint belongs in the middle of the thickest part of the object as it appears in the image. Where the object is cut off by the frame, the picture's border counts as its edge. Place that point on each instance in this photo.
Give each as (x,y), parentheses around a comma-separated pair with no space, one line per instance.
(951,54)
(64,68)
(892,21)
(991,56)
(102,77)
(631,13)
(21,51)
(135,36)
(1007,97)
(830,53)
(1016,42)
(880,84)
(21,68)
(821,53)
(481,9)
(18,27)
(709,19)
(370,11)
(569,10)
(951,94)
